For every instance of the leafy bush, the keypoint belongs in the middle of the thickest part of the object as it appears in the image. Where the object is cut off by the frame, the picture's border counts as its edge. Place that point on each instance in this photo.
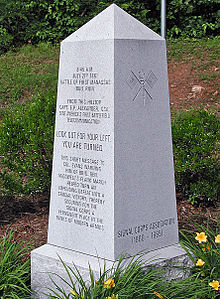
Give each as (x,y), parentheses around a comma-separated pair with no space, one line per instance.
(196,155)
(186,18)
(43,20)
(51,20)
(26,144)
(14,270)
(6,39)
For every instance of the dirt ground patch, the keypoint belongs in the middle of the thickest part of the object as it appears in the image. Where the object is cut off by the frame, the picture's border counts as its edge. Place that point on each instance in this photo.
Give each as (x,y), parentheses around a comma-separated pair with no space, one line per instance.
(187,90)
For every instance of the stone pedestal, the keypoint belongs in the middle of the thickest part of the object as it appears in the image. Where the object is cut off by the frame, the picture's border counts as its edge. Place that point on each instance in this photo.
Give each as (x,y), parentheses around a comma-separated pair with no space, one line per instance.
(45,261)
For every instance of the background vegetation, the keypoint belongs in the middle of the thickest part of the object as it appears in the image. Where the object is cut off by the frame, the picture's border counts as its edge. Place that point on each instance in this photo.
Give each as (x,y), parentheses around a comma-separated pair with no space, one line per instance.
(196,137)
(32,21)
(26,142)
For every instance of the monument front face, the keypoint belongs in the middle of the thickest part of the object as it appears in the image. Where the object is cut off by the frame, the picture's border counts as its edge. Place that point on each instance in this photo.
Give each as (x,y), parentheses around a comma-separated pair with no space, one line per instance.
(82,207)
(112,183)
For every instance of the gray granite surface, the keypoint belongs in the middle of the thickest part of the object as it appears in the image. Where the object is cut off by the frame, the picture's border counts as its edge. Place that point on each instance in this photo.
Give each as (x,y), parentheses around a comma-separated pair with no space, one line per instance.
(112,180)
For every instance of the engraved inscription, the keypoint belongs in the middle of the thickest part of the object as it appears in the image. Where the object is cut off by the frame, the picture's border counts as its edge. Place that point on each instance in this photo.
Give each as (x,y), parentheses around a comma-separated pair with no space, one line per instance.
(85,79)
(151,79)
(84,111)
(132,81)
(82,189)
(142,232)
(82,176)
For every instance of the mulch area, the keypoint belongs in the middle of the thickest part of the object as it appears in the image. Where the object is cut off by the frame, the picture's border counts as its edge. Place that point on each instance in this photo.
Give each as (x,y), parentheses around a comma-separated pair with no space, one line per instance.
(29,216)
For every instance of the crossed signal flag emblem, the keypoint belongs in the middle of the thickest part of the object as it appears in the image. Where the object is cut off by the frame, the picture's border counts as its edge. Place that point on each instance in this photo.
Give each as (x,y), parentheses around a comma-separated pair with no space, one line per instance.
(145,83)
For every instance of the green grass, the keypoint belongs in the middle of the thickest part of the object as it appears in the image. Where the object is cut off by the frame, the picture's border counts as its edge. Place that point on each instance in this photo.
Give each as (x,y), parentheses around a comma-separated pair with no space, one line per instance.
(204,49)
(208,77)
(14,268)
(30,71)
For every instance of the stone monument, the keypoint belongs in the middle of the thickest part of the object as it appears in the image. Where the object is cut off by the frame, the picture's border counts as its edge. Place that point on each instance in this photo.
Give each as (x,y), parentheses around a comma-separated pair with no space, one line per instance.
(113,188)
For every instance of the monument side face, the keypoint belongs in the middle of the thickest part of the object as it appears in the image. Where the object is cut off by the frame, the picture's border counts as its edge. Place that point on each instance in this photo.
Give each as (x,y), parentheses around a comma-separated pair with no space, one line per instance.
(82,204)
(145,202)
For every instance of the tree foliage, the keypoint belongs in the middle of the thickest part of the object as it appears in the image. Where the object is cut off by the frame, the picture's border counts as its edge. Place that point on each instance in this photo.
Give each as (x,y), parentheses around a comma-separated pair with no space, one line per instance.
(52,20)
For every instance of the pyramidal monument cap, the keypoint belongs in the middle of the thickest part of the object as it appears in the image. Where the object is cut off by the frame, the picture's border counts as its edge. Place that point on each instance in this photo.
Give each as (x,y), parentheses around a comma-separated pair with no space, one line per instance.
(113,23)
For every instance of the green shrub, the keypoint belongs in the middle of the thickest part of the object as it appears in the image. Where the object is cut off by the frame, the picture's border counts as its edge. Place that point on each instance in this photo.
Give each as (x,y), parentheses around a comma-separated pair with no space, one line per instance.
(14,268)
(26,144)
(5,38)
(14,20)
(186,18)
(196,155)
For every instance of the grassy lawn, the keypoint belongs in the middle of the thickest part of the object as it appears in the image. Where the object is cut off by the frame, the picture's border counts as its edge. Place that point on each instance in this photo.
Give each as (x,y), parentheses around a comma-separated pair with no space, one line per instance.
(205,49)
(30,71)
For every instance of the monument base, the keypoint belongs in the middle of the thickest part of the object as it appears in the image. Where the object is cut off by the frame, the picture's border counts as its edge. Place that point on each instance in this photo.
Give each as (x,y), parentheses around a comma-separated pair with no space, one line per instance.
(45,262)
